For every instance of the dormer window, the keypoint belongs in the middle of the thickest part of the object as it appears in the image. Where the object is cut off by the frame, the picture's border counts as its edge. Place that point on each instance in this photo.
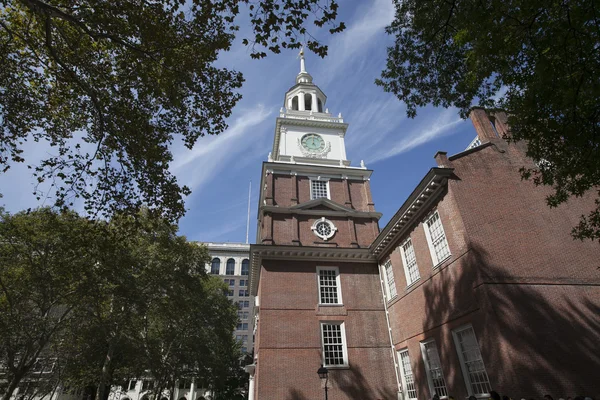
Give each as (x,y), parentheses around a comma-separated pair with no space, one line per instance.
(308,102)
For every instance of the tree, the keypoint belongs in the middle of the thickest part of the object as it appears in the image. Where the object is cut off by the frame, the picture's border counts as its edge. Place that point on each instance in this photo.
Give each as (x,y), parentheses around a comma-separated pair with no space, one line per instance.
(107,301)
(43,278)
(110,85)
(538,60)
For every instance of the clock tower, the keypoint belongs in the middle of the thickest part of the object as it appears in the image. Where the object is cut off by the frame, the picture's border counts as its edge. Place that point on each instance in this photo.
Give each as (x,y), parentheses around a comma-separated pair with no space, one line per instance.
(319,299)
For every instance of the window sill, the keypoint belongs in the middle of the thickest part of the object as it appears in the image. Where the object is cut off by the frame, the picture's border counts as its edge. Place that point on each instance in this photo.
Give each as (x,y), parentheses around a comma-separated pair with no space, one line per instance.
(330,305)
(346,366)
(412,285)
(439,264)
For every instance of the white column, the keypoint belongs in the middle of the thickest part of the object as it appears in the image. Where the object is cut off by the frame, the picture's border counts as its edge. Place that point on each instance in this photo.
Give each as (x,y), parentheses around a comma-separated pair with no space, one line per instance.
(251,387)
(314,103)
(192,390)
(301,101)
(342,147)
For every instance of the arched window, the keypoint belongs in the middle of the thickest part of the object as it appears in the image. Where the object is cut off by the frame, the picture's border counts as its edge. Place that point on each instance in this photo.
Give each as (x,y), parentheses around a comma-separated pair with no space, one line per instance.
(230,268)
(215,266)
(307,102)
(319,105)
(295,103)
(245,266)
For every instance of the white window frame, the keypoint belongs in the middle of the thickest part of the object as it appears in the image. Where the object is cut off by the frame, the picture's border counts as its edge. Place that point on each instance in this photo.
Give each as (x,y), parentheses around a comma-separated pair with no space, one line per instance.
(463,366)
(390,294)
(344,344)
(338,285)
(403,373)
(319,179)
(409,282)
(434,258)
(427,369)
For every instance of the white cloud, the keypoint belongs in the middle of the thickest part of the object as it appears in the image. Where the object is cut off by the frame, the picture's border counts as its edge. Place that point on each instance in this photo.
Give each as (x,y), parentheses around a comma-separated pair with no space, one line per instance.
(360,34)
(444,124)
(197,166)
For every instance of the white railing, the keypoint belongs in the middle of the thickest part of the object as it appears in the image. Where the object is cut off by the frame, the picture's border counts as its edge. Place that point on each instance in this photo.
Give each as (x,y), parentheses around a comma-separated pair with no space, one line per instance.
(310,115)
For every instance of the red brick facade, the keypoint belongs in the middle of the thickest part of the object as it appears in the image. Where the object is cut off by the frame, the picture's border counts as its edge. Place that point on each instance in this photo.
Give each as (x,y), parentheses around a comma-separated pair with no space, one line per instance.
(530,292)
(514,277)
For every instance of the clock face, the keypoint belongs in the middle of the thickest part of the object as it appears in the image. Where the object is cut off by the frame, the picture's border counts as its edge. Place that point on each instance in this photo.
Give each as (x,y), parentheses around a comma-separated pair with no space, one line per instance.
(313,142)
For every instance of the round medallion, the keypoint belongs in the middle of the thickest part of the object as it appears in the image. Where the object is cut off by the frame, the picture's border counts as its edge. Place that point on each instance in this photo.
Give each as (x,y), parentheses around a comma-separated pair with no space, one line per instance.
(313,142)
(324,228)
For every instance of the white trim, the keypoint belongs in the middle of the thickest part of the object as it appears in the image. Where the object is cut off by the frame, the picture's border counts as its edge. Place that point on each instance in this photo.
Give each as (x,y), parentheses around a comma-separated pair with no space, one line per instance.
(434,257)
(388,290)
(428,370)
(344,344)
(463,366)
(332,228)
(319,179)
(405,262)
(402,373)
(338,285)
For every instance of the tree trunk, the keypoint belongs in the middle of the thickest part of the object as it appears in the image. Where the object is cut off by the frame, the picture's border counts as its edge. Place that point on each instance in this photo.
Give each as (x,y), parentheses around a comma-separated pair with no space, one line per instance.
(14,382)
(105,378)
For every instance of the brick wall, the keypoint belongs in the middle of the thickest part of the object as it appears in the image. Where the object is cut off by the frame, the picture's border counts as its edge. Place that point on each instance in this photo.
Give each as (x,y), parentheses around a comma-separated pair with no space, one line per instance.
(290,337)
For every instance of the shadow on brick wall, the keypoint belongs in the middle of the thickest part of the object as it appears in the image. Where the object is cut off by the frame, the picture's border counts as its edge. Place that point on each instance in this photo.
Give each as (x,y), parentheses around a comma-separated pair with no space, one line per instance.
(536,339)
(354,385)
(296,395)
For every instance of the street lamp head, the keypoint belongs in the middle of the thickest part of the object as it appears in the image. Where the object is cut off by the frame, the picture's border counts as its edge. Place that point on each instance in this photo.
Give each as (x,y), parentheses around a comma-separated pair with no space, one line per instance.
(322,372)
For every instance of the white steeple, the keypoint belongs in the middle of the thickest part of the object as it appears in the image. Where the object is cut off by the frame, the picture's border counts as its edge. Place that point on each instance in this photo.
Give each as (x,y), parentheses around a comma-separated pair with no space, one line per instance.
(306,132)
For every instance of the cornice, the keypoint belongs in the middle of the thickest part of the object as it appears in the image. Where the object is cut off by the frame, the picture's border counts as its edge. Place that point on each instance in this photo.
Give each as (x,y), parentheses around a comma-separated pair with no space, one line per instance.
(426,192)
(323,213)
(260,252)
(328,171)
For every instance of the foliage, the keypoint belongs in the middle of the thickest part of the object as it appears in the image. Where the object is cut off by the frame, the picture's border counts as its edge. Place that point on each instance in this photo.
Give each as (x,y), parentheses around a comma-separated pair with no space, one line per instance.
(109,301)
(111,85)
(43,277)
(539,60)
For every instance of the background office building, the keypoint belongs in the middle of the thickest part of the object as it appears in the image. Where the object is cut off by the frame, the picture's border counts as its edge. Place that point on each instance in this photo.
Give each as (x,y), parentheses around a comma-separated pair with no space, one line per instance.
(231,261)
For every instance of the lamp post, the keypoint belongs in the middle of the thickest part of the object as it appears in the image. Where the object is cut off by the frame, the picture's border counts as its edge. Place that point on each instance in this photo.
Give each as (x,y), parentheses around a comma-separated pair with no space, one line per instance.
(323,374)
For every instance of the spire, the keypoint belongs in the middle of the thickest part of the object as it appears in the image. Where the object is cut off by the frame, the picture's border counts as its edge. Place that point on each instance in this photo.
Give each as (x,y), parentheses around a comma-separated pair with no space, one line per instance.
(303,76)
(302,66)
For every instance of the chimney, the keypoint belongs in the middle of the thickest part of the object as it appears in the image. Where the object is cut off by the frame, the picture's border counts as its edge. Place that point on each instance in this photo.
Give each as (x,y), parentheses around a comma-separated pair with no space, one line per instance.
(441,157)
(484,125)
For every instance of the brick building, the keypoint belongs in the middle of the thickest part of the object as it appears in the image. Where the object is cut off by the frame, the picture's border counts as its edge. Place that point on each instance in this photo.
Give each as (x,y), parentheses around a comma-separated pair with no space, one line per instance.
(473,285)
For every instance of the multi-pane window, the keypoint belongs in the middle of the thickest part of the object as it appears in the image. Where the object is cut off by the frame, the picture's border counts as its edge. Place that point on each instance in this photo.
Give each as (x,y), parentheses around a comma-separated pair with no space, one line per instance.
(334,344)
(433,367)
(243,314)
(230,267)
(242,326)
(472,365)
(230,292)
(132,384)
(245,303)
(244,293)
(408,380)
(243,282)
(389,280)
(319,189)
(230,282)
(215,266)
(245,266)
(409,259)
(438,245)
(329,292)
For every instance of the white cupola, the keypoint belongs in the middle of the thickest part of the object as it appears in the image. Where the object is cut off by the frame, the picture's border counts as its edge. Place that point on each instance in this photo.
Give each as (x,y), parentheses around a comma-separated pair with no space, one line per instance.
(305,95)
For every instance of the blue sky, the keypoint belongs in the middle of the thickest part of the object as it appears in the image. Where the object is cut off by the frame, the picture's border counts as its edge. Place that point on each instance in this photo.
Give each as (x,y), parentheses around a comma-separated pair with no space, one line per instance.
(219,169)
